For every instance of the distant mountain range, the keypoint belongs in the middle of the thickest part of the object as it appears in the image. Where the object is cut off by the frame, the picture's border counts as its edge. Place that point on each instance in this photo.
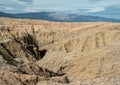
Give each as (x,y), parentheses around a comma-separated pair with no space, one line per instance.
(58,17)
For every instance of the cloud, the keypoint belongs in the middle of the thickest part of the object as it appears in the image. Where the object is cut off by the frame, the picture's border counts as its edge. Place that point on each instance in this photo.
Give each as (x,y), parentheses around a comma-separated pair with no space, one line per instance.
(13,6)
(27,9)
(6,2)
(26,1)
(6,8)
(93,7)
(110,11)
(113,7)
(97,9)
(86,10)
(96,1)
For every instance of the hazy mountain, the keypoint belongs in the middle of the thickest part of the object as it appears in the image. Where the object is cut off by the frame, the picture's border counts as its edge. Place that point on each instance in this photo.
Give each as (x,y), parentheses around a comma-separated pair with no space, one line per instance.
(56,16)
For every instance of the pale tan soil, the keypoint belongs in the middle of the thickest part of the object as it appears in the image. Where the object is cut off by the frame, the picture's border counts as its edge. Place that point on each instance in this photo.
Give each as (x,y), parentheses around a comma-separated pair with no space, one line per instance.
(76,53)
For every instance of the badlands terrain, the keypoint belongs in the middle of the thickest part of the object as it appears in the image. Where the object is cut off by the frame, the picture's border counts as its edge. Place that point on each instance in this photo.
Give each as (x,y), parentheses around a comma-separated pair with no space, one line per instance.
(36,52)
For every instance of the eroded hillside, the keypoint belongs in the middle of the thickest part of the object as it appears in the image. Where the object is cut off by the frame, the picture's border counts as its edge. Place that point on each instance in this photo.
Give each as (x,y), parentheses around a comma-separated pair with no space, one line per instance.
(54,53)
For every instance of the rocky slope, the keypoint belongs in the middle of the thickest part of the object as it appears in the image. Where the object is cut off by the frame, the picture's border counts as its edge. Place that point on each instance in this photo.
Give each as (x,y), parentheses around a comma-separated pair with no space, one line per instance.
(54,53)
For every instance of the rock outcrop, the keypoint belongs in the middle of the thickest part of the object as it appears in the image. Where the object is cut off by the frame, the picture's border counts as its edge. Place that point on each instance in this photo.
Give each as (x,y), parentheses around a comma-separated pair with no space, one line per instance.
(54,53)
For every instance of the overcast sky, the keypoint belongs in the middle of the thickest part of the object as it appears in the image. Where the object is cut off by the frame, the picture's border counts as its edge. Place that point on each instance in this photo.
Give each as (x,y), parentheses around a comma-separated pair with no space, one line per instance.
(105,8)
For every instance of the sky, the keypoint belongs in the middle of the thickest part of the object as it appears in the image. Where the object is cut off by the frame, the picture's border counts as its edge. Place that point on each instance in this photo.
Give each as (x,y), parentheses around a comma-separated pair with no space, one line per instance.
(104,8)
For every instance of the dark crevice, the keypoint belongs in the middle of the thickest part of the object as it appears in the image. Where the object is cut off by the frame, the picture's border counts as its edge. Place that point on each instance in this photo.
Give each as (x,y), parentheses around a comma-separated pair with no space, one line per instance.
(7,55)
(9,60)
(31,45)
(42,53)
(7,50)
